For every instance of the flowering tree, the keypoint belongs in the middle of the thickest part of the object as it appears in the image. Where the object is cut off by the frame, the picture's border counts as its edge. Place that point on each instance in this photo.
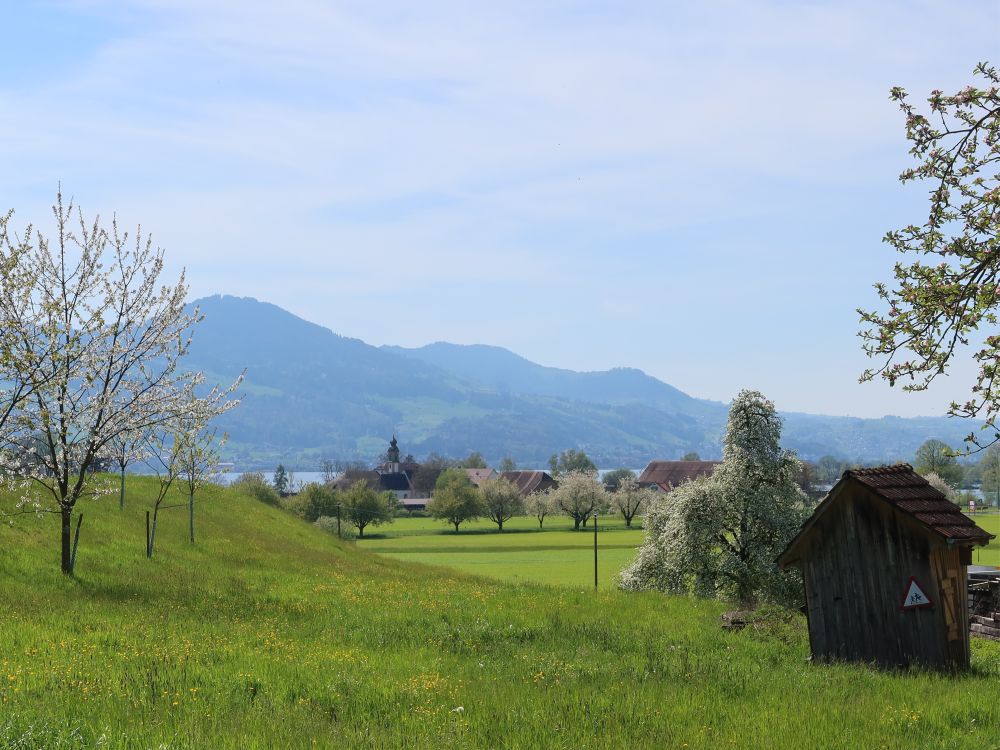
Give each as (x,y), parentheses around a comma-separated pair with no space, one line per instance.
(21,317)
(720,535)
(198,447)
(630,499)
(501,500)
(99,341)
(539,505)
(950,286)
(163,458)
(126,448)
(579,495)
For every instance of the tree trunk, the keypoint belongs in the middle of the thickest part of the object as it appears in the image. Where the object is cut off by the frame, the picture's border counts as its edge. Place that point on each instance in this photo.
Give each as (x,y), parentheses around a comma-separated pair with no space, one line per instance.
(361,532)
(540,523)
(121,492)
(152,535)
(500,525)
(628,522)
(191,515)
(456,525)
(576,523)
(65,536)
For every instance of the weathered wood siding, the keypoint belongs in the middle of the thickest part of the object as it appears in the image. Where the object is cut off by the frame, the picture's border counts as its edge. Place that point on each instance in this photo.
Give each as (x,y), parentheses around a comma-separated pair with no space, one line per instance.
(856,566)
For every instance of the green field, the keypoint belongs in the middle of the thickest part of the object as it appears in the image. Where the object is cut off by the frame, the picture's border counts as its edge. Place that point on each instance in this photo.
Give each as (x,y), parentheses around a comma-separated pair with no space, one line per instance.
(556,555)
(989,555)
(270,633)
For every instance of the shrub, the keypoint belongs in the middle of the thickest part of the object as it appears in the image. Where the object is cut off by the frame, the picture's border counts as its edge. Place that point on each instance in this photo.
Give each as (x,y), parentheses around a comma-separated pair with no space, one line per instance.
(318,500)
(254,484)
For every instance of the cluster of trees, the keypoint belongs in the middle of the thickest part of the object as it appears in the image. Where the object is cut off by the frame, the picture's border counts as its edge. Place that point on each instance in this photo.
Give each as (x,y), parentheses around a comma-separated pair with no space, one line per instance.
(939,463)
(933,457)
(91,346)
(578,495)
(948,468)
(359,505)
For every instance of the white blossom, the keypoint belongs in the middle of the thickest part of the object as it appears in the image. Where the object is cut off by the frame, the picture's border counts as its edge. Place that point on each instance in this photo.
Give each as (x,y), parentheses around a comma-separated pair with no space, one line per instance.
(720,535)
(95,339)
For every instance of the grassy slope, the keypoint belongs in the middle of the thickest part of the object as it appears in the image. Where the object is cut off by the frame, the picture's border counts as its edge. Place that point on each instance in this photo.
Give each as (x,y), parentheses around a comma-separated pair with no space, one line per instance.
(270,633)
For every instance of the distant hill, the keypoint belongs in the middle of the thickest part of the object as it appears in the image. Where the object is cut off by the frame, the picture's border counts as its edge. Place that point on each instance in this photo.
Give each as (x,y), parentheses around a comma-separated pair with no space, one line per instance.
(510,373)
(311,394)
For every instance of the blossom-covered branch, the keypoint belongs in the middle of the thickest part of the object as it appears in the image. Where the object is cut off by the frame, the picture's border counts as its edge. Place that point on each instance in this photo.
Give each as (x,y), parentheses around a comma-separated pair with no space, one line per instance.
(947,286)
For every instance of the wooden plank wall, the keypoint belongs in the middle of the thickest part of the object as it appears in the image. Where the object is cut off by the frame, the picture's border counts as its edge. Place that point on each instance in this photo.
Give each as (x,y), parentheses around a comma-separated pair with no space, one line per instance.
(857,562)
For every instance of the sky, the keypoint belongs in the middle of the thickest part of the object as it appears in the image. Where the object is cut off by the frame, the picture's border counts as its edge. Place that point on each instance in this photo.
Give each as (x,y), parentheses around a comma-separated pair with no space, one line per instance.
(695,189)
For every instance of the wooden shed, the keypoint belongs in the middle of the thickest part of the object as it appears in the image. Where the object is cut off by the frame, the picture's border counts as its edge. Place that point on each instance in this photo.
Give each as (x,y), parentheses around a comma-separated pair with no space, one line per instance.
(883,559)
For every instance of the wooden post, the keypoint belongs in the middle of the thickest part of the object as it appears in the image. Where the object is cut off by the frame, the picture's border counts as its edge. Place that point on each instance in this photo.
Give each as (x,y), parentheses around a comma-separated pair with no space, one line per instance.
(76,541)
(595,550)
(148,552)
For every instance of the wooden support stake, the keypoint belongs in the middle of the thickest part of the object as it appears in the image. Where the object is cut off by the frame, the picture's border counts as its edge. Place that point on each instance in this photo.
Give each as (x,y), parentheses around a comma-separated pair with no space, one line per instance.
(76,541)
(595,550)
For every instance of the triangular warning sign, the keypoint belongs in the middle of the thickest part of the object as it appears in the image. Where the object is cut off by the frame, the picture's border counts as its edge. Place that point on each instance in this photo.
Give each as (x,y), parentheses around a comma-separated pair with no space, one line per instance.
(915,598)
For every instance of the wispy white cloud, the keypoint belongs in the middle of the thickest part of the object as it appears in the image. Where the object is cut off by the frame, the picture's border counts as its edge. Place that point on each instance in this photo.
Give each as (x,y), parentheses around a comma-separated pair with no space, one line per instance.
(587,179)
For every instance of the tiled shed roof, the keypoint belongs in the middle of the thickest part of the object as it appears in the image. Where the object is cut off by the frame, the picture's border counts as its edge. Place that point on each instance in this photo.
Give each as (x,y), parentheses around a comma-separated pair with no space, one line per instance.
(911,494)
(914,495)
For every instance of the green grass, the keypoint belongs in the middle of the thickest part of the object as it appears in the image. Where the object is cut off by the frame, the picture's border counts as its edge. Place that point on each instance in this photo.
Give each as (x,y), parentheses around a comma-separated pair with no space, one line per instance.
(556,555)
(269,633)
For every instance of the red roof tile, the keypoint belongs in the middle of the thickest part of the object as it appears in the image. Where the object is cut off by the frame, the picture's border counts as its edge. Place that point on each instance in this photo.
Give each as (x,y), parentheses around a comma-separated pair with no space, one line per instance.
(669,474)
(529,481)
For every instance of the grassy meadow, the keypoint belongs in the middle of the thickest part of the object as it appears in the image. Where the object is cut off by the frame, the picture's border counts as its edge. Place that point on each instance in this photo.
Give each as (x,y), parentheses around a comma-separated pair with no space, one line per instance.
(989,555)
(270,633)
(557,554)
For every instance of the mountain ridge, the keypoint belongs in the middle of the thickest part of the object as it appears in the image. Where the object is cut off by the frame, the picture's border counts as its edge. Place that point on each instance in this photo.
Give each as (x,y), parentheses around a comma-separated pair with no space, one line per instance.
(313,394)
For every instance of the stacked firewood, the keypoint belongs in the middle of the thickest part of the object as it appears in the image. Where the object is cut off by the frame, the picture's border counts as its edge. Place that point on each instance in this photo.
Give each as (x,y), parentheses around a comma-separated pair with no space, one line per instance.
(984,608)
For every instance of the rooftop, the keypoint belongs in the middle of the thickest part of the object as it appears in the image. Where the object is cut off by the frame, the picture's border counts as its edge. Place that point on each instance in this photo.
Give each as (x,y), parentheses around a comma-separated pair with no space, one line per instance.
(901,486)
(668,474)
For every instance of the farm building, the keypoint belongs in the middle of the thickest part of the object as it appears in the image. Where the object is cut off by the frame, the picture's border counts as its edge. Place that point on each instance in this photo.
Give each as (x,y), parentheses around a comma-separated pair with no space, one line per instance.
(478,476)
(530,481)
(883,560)
(663,476)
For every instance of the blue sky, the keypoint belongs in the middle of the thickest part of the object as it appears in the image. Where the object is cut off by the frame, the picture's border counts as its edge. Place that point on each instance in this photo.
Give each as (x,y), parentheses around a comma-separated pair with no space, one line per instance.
(698,190)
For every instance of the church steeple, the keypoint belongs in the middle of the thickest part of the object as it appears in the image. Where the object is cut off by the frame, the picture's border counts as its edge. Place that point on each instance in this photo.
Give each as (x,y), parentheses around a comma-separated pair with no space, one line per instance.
(392,455)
